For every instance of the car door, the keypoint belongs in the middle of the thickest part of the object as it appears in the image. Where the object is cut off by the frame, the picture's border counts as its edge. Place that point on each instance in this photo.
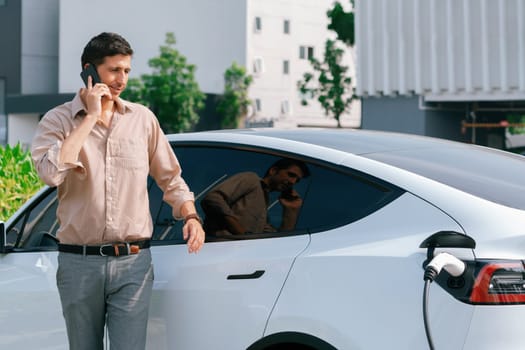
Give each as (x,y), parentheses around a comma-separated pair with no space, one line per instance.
(31,314)
(221,297)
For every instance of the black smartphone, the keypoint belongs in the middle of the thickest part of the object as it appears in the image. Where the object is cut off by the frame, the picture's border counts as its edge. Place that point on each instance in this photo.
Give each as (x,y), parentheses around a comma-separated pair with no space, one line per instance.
(90,70)
(288,194)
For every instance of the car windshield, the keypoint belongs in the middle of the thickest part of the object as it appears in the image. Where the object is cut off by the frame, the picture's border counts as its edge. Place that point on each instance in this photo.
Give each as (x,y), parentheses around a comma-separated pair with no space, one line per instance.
(494,175)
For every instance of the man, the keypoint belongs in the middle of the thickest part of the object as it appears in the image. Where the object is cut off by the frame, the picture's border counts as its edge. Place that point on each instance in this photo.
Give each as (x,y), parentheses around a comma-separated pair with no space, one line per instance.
(239,204)
(98,150)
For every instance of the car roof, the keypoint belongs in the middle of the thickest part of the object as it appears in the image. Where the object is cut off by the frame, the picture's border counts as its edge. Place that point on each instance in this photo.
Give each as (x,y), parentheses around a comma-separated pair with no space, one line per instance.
(355,141)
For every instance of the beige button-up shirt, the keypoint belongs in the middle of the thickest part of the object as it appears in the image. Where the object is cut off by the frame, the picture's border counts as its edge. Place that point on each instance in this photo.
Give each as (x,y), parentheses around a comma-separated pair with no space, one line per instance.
(241,196)
(103,197)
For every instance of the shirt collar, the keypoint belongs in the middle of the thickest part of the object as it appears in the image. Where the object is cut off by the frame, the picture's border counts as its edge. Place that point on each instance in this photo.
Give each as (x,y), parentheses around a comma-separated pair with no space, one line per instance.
(78,108)
(265,186)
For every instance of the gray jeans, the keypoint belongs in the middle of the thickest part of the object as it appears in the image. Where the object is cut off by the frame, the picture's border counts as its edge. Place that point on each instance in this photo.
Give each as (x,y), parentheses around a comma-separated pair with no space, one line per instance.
(98,289)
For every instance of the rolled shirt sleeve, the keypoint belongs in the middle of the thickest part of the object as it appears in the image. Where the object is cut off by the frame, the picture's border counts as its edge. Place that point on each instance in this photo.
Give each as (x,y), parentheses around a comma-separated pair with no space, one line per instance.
(46,147)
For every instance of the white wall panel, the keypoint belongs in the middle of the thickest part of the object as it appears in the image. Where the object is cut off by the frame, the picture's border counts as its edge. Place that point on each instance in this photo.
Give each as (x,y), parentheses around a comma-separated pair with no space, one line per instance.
(443,49)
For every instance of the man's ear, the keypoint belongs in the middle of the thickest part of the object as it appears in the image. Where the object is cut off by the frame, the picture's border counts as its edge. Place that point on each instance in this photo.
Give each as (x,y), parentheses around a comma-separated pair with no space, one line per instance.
(273,171)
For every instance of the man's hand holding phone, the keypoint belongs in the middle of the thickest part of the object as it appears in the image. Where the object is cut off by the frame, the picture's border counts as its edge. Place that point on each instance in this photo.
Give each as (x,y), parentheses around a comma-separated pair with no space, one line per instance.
(94,92)
(290,199)
(90,71)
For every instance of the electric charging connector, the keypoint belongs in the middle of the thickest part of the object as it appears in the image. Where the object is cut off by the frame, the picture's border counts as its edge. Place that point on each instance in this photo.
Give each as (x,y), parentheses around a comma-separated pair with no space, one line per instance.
(449,262)
(454,267)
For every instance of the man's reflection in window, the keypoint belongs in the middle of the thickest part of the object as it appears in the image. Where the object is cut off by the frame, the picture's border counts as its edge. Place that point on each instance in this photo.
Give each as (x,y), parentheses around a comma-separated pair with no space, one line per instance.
(239,204)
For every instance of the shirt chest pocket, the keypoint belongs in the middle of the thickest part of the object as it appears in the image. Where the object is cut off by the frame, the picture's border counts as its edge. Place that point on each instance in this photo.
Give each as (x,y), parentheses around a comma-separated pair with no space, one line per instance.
(128,153)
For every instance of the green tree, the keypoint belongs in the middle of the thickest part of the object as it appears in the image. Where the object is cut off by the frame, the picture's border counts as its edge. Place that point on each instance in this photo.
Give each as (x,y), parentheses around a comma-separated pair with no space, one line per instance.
(171,91)
(234,102)
(342,23)
(333,88)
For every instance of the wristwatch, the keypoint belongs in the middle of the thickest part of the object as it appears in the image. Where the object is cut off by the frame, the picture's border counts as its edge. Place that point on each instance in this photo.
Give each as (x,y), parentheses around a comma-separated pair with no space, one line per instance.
(192,216)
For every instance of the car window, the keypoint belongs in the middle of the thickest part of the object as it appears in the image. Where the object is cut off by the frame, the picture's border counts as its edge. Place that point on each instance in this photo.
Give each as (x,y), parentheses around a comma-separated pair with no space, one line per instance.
(337,197)
(332,196)
(37,226)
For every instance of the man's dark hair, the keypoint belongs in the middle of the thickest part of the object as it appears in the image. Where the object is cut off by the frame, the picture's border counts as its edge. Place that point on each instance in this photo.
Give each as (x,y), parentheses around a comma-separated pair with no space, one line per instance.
(285,163)
(104,45)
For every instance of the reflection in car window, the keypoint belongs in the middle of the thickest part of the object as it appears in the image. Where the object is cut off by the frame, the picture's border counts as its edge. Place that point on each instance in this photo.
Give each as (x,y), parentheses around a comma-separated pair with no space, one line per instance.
(331,196)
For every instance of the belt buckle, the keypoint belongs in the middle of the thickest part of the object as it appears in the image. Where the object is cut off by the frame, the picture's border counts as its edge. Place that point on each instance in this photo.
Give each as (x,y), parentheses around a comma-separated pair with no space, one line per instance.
(102,247)
(116,249)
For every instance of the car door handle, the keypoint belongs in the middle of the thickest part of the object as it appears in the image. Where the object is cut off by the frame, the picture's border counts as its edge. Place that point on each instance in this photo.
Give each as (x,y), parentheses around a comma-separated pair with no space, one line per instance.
(254,275)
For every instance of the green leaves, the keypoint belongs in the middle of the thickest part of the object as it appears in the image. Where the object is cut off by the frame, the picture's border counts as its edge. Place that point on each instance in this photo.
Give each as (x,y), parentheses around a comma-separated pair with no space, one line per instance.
(234,102)
(342,23)
(333,88)
(171,91)
(18,179)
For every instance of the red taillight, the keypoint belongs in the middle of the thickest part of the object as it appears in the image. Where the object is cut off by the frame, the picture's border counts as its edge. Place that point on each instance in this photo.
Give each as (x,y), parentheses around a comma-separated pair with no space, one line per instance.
(499,283)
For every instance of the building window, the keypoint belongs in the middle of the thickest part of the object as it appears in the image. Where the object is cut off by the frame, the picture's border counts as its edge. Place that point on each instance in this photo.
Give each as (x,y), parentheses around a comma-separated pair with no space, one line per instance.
(258,65)
(258,25)
(285,107)
(308,95)
(258,106)
(286,27)
(310,52)
(286,67)
(306,52)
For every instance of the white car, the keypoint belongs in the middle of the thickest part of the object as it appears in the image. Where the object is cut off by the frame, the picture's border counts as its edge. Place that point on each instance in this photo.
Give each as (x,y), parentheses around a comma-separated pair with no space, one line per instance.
(377,208)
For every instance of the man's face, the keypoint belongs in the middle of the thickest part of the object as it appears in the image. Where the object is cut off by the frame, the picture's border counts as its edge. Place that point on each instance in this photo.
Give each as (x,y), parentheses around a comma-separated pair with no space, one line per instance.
(114,72)
(283,179)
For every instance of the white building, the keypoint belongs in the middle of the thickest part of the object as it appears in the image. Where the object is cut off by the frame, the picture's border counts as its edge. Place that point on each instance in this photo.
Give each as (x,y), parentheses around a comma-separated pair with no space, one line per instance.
(271,38)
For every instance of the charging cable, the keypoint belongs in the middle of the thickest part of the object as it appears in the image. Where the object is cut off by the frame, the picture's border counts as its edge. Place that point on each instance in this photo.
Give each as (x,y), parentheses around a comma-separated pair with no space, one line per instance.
(453,266)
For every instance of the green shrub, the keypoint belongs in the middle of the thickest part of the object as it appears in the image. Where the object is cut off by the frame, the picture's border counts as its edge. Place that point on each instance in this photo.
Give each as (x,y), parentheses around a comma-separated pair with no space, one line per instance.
(18,179)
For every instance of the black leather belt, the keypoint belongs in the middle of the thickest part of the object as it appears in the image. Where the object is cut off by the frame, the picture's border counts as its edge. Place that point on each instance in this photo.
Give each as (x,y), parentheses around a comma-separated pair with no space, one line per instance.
(111,249)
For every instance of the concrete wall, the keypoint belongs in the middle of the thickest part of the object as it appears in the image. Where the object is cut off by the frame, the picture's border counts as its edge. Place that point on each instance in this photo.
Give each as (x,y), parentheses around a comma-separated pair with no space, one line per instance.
(22,127)
(10,22)
(408,115)
(39,57)
(393,114)
(3,117)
